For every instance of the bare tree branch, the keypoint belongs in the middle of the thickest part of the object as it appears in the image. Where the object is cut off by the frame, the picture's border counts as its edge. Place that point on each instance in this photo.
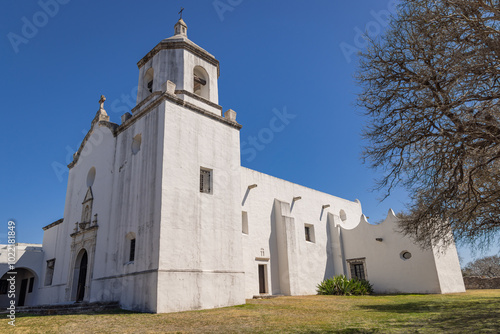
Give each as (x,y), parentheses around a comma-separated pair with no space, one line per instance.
(431,93)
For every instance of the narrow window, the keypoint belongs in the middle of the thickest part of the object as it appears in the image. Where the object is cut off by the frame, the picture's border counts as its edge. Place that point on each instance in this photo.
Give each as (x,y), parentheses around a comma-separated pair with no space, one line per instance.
(244,222)
(49,273)
(309,232)
(30,286)
(148,81)
(132,250)
(205,181)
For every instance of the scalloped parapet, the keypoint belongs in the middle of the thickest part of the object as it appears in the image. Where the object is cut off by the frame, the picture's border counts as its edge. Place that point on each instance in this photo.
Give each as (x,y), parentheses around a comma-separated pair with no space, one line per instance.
(391,216)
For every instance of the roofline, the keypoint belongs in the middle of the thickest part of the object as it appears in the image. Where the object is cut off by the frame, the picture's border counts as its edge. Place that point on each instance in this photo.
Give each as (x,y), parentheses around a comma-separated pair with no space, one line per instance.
(57,222)
(156,98)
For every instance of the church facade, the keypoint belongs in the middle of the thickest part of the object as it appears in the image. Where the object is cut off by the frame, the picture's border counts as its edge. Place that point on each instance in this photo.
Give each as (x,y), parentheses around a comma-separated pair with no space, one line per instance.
(161,216)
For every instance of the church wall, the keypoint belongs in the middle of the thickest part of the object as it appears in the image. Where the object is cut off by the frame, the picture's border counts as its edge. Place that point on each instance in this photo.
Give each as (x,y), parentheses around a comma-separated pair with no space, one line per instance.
(97,152)
(276,238)
(135,214)
(200,232)
(54,241)
(448,269)
(385,267)
(311,262)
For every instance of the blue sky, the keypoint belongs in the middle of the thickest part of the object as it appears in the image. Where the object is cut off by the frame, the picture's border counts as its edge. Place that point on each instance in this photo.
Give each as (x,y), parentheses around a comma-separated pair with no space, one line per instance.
(59,56)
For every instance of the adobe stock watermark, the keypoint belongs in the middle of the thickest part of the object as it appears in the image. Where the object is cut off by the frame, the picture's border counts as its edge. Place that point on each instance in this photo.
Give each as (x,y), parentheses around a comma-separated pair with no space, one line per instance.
(223,6)
(373,28)
(119,105)
(11,280)
(30,27)
(277,124)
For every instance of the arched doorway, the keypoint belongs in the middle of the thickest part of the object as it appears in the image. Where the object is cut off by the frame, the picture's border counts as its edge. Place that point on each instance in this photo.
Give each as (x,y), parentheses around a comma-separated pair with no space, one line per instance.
(25,286)
(80,276)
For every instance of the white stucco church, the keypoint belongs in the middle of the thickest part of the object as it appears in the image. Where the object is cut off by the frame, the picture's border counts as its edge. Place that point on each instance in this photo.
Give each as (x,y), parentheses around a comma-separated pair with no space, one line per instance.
(161,216)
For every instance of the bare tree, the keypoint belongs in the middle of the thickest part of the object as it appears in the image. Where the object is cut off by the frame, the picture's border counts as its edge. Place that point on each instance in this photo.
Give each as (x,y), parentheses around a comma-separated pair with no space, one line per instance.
(431,92)
(487,266)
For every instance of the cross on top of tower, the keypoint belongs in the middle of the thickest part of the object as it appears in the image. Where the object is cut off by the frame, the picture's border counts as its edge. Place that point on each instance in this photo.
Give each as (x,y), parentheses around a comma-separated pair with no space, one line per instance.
(101,102)
(180,12)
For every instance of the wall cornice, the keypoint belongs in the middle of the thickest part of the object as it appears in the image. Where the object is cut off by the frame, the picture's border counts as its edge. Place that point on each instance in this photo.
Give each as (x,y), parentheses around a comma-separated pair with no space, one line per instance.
(57,222)
(191,47)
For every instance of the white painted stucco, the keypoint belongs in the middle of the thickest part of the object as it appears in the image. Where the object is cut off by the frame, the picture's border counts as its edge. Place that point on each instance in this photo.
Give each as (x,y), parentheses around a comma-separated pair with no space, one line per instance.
(138,183)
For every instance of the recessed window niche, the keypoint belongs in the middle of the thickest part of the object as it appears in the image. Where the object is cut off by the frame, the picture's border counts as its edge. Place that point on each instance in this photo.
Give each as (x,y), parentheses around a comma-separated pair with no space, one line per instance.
(136,144)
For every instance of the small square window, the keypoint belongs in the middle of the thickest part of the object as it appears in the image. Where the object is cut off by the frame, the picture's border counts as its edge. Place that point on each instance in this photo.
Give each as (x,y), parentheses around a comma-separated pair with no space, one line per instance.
(244,222)
(357,268)
(309,232)
(205,181)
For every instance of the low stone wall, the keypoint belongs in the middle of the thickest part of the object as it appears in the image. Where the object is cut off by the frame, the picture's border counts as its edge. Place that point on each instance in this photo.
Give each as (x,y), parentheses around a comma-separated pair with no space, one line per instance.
(476,282)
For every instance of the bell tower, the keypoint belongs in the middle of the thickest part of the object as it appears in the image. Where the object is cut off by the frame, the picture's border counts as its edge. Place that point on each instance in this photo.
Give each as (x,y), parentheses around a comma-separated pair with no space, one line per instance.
(193,70)
(197,157)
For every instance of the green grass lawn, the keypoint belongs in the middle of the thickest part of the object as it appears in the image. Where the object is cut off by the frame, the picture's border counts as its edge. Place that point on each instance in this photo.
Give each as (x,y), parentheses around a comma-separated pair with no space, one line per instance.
(476,311)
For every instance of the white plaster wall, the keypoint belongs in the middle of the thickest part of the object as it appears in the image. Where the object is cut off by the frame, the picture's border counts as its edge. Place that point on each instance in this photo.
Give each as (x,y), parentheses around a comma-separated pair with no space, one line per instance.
(167,65)
(200,104)
(54,242)
(384,267)
(448,269)
(314,261)
(28,257)
(200,250)
(126,194)
(296,266)
(98,152)
(135,207)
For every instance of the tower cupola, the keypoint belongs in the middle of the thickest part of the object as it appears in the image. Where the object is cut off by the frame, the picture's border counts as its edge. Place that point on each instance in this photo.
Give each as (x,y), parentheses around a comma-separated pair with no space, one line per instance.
(180,28)
(193,70)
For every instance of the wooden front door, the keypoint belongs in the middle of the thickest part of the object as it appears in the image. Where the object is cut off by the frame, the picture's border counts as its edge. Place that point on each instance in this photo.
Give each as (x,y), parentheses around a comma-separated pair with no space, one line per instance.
(82,276)
(262,278)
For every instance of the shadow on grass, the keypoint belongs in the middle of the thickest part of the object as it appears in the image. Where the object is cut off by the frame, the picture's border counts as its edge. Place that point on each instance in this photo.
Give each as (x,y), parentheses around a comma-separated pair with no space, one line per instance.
(462,316)
(103,312)
(357,331)
(351,330)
